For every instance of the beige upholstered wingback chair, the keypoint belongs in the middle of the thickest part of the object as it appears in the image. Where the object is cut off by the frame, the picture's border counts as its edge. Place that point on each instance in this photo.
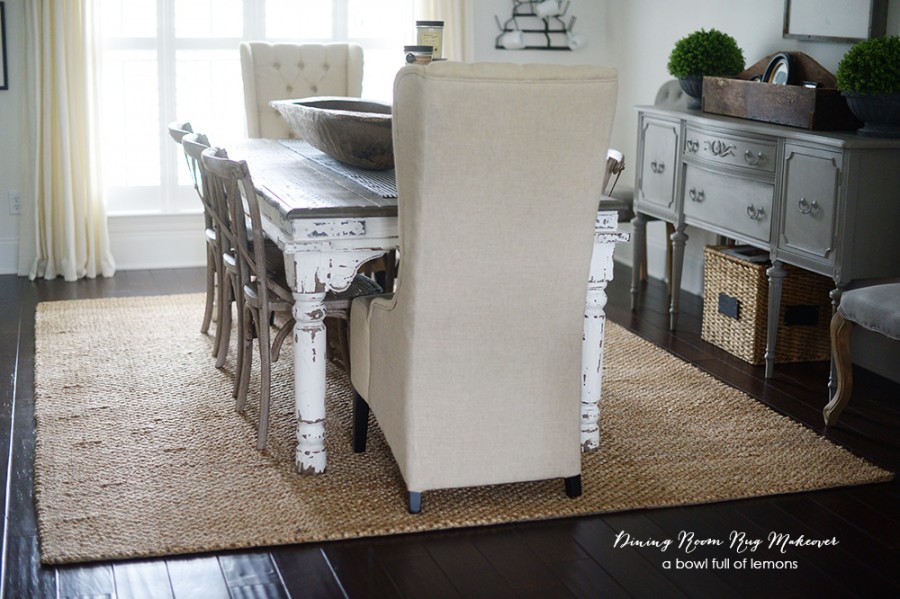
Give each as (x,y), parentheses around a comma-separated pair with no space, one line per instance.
(473,366)
(284,71)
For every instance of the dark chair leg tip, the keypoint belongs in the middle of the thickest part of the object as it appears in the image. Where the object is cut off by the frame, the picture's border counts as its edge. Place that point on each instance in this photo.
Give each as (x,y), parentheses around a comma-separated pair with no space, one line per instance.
(415,502)
(573,486)
(360,423)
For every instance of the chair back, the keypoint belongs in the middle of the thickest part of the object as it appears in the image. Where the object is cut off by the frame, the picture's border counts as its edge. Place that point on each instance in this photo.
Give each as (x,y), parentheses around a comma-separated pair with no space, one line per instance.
(193,145)
(231,185)
(498,178)
(285,71)
(178,129)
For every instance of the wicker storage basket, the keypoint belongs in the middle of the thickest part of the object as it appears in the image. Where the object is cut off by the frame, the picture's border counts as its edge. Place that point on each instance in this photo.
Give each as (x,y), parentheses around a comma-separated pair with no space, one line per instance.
(735,305)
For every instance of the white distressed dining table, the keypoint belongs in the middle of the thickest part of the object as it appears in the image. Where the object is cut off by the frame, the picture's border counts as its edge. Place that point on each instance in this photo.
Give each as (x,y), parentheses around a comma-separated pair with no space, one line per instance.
(327,225)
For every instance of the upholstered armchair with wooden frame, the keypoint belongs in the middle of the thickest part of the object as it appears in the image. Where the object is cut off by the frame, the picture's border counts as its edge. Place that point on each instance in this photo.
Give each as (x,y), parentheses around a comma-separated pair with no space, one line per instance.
(261,282)
(472,367)
(875,308)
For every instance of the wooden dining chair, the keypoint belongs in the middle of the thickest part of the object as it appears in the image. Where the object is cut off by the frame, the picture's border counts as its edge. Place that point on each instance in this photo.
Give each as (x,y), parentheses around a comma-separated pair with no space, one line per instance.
(178,130)
(266,298)
(219,243)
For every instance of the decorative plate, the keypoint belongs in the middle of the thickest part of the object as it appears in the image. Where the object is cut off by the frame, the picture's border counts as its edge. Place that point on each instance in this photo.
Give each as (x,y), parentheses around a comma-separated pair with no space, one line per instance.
(779,69)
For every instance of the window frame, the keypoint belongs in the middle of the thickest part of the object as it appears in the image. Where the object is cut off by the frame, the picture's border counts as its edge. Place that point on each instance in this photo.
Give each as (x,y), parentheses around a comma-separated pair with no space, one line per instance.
(170,197)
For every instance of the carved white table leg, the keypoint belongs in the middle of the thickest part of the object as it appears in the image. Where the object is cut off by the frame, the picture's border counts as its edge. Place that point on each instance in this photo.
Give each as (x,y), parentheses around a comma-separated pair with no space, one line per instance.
(309,381)
(592,365)
(312,274)
(605,237)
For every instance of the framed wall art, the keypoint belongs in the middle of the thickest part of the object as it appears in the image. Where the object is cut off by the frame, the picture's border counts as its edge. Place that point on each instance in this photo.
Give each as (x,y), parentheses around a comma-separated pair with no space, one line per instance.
(4,81)
(835,20)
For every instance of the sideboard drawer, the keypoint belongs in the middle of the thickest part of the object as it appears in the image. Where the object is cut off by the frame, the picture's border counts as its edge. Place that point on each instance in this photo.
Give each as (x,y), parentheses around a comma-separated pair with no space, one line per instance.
(742,206)
(756,154)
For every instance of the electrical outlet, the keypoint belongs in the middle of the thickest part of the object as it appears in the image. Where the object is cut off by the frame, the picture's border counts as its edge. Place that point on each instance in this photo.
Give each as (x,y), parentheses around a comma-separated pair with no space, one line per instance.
(15,202)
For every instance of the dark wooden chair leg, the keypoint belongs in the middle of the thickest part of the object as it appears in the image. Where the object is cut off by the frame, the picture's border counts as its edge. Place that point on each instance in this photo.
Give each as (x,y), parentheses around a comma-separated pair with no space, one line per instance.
(415,502)
(573,486)
(840,354)
(360,423)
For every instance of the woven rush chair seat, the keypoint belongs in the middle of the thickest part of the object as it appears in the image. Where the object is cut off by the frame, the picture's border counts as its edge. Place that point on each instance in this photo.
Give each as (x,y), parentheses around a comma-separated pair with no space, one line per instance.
(875,308)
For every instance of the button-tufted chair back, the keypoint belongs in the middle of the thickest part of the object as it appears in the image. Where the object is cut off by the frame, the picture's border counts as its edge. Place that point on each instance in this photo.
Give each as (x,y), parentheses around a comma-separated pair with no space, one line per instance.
(284,71)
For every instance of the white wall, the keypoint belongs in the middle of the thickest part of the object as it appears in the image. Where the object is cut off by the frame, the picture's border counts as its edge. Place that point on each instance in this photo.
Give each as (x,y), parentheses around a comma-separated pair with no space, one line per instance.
(636,36)
(13,131)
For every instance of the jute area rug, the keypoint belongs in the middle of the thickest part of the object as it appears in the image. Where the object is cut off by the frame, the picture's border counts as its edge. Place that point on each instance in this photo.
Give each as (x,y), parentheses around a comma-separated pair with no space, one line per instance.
(140,452)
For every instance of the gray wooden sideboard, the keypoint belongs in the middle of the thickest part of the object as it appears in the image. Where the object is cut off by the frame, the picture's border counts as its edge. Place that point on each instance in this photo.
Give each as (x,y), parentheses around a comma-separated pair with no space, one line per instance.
(828,202)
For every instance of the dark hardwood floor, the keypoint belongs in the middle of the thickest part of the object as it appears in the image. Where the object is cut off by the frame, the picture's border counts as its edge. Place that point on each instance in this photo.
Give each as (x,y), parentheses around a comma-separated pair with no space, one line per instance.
(563,558)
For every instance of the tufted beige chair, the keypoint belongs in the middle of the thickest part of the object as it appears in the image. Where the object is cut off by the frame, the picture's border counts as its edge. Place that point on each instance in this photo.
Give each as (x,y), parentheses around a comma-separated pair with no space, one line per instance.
(472,369)
(284,71)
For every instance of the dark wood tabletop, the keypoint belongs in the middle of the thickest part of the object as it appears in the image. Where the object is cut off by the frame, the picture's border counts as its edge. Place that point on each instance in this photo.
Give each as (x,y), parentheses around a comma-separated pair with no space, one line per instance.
(300,188)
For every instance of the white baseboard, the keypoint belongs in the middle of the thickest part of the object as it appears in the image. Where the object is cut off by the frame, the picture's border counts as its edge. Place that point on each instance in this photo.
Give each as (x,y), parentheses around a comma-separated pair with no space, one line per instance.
(163,241)
(9,256)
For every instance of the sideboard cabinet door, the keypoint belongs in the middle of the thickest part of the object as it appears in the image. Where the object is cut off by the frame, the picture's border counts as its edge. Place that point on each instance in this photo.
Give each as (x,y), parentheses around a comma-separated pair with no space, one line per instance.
(811,191)
(658,164)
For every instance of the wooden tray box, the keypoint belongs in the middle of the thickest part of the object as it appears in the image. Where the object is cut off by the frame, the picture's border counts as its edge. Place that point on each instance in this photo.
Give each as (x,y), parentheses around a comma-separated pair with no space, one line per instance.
(822,108)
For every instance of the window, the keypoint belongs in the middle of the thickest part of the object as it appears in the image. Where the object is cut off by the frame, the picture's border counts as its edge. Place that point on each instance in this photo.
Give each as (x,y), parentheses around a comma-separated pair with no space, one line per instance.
(178,59)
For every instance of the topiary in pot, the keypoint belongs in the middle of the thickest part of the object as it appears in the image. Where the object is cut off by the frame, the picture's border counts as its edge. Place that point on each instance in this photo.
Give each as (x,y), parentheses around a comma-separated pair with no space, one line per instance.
(869,77)
(701,53)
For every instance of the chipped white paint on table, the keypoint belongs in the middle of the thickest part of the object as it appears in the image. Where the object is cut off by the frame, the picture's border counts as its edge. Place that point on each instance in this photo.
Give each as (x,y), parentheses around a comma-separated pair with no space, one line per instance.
(327,227)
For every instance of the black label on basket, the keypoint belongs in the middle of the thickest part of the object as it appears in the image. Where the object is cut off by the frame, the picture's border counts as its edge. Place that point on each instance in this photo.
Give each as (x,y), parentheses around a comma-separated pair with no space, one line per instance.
(729,306)
(805,316)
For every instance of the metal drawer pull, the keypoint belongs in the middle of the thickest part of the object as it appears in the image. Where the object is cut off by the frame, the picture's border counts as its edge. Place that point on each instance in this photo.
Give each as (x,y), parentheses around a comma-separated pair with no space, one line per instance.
(692,145)
(656,167)
(748,156)
(696,196)
(756,213)
(806,206)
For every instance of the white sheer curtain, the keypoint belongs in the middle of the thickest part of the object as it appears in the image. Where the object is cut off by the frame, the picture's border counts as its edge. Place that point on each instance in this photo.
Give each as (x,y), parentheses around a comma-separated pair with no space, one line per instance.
(71,237)
(456,15)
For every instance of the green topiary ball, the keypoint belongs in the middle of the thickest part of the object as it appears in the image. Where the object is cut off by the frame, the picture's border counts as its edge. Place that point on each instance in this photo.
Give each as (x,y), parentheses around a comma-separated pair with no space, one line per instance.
(704,52)
(872,66)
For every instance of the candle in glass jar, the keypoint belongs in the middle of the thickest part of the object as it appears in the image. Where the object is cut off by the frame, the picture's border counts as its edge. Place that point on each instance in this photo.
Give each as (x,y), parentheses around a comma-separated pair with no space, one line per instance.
(430,33)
